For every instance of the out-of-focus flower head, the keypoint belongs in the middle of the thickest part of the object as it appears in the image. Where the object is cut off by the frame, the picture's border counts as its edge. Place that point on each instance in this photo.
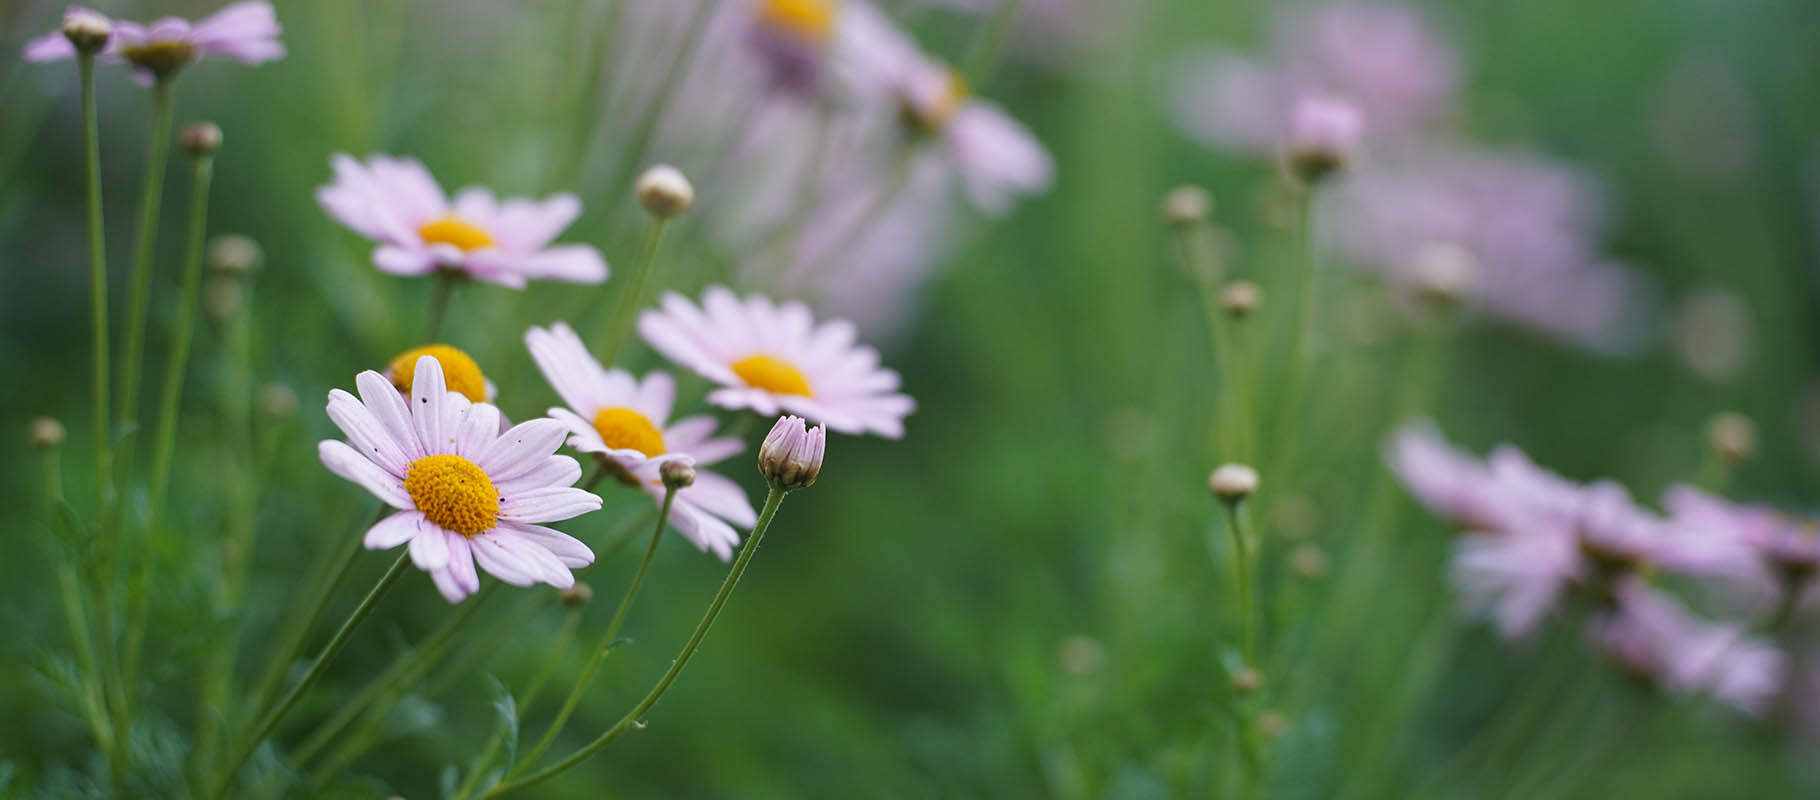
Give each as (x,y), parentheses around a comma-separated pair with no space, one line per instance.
(625,423)
(1529,225)
(1324,135)
(1654,639)
(1773,552)
(246,32)
(770,358)
(396,203)
(1383,58)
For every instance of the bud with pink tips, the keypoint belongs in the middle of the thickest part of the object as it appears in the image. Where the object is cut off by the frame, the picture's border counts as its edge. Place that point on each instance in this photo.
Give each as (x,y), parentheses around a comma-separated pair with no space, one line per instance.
(1324,134)
(791,457)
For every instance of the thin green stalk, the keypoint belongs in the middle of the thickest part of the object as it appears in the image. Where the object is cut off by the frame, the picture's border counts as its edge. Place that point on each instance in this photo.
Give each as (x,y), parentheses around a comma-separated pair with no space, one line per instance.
(243,750)
(1295,371)
(75,615)
(145,242)
(415,661)
(876,207)
(297,628)
(640,145)
(607,639)
(97,275)
(577,137)
(634,717)
(1244,562)
(478,768)
(165,441)
(632,297)
(439,304)
(983,53)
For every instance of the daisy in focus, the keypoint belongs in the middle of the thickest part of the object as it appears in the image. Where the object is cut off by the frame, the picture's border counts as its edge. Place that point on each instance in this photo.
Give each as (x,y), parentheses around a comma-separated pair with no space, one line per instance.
(772,358)
(419,230)
(623,421)
(466,494)
(246,32)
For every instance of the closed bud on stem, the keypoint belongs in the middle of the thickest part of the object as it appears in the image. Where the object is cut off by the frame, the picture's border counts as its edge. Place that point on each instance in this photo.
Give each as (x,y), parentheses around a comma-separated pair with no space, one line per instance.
(664,192)
(221,297)
(1247,680)
(233,253)
(87,30)
(1240,298)
(1324,136)
(46,433)
(576,596)
(1232,483)
(677,474)
(791,457)
(200,139)
(1732,437)
(1186,205)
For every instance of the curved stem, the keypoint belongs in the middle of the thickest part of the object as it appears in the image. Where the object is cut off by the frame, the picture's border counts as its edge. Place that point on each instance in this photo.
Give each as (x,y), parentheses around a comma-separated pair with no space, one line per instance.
(478,768)
(633,717)
(439,304)
(244,749)
(165,438)
(1243,561)
(606,640)
(635,152)
(145,241)
(297,629)
(97,262)
(1301,338)
(632,296)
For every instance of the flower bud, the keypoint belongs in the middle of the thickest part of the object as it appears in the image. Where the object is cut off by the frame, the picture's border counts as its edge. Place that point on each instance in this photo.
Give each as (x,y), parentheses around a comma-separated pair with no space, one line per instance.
(664,192)
(221,297)
(677,474)
(576,596)
(1324,135)
(232,252)
(791,457)
(46,433)
(1247,680)
(1308,561)
(277,401)
(200,139)
(1240,298)
(87,30)
(1233,482)
(1732,437)
(1186,205)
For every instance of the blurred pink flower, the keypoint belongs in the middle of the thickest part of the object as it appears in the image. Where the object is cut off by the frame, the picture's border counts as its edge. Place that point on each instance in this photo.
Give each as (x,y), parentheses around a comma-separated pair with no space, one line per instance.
(395,202)
(1770,553)
(771,358)
(1383,58)
(625,422)
(1530,226)
(246,32)
(1652,637)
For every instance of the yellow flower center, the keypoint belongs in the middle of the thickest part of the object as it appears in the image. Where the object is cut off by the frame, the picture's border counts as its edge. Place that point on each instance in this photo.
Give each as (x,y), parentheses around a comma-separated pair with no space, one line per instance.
(162,58)
(458,370)
(624,429)
(771,374)
(934,115)
(812,20)
(454,493)
(464,236)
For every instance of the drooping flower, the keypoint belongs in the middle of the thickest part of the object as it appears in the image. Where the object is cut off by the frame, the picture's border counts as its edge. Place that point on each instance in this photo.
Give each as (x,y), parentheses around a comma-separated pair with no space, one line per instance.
(1654,639)
(465,492)
(772,358)
(246,32)
(396,203)
(624,422)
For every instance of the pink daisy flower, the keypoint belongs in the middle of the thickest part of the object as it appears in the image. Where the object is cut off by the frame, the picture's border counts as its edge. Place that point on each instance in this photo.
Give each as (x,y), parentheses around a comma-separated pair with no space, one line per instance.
(624,422)
(772,358)
(466,493)
(246,32)
(1770,553)
(1653,638)
(395,202)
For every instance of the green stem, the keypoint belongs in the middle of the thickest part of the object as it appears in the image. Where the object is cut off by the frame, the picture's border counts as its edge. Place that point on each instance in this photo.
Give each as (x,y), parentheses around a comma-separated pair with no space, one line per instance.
(1295,370)
(145,242)
(478,768)
(165,441)
(439,304)
(244,748)
(1244,557)
(607,639)
(640,145)
(632,297)
(75,616)
(297,629)
(877,206)
(983,53)
(97,259)
(633,718)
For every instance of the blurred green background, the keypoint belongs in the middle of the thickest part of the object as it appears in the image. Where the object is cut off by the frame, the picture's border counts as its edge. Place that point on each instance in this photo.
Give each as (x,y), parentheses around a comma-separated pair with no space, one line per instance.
(1018,598)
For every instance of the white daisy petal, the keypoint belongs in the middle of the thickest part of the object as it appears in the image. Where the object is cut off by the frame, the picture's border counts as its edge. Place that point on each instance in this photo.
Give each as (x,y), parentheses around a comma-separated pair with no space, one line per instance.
(350,464)
(548,504)
(398,529)
(430,551)
(564,547)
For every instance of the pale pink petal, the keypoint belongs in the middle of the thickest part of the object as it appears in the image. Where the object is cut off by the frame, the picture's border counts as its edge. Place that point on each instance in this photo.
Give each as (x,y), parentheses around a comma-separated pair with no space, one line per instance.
(398,529)
(348,463)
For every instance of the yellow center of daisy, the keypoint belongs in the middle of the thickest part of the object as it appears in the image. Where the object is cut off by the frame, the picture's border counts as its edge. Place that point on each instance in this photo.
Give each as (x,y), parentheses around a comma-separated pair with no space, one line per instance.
(464,236)
(771,374)
(809,19)
(458,370)
(162,58)
(934,116)
(624,429)
(454,493)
